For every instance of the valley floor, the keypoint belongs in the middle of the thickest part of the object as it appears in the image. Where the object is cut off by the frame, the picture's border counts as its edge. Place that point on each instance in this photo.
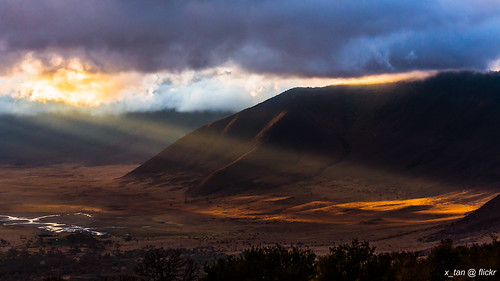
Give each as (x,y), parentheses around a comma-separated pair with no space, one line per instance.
(53,200)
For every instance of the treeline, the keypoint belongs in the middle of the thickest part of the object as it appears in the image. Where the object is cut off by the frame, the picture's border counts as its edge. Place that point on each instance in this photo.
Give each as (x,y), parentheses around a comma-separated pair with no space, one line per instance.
(90,259)
(356,261)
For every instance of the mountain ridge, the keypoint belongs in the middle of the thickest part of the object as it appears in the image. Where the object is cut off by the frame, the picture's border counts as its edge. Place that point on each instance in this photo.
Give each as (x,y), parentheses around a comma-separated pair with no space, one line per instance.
(444,127)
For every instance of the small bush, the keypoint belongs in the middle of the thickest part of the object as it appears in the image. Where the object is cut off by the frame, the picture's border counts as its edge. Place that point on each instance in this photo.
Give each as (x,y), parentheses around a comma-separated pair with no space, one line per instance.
(347,262)
(166,265)
(357,261)
(267,263)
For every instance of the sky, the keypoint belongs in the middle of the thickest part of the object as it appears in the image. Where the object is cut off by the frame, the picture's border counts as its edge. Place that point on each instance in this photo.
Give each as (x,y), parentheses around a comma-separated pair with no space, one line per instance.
(124,55)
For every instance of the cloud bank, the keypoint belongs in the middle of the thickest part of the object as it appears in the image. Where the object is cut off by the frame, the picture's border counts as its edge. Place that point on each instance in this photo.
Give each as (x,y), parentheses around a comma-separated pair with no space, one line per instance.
(153,43)
(65,85)
(309,38)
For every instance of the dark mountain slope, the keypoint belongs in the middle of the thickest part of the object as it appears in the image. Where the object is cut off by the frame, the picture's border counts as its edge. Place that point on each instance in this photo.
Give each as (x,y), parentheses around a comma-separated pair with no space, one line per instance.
(481,222)
(446,127)
(488,215)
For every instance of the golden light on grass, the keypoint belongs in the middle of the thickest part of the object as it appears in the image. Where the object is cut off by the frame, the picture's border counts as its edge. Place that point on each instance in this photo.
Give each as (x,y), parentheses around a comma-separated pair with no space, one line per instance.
(443,207)
(455,203)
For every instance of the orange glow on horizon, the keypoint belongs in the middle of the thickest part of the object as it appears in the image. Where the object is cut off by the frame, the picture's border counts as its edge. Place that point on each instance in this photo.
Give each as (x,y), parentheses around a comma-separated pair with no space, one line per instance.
(72,82)
(385,78)
(366,80)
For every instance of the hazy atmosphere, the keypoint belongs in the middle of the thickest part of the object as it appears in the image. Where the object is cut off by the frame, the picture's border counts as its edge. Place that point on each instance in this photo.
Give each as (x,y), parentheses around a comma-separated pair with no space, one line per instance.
(270,140)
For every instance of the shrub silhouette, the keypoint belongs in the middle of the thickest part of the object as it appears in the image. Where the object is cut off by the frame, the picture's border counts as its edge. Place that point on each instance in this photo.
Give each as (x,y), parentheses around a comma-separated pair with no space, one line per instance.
(159,264)
(445,257)
(271,263)
(357,261)
(347,262)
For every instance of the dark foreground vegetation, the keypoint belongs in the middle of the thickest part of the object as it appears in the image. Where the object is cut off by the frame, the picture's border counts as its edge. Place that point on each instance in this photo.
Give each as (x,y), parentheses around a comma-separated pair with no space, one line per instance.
(80,256)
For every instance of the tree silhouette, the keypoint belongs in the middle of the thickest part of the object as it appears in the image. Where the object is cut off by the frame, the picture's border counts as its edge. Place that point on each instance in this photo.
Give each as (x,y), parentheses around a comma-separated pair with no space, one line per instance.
(159,264)
(273,263)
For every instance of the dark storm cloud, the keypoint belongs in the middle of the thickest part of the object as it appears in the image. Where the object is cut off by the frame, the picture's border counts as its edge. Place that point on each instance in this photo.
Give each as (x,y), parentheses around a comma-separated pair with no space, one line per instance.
(310,38)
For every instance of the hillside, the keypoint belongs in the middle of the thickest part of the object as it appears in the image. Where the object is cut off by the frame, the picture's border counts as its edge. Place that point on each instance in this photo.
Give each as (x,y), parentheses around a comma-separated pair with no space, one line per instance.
(445,128)
(483,221)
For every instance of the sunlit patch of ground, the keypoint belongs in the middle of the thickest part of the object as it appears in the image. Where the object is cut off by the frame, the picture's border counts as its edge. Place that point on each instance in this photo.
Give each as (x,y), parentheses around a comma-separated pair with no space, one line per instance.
(443,207)
(450,205)
(457,203)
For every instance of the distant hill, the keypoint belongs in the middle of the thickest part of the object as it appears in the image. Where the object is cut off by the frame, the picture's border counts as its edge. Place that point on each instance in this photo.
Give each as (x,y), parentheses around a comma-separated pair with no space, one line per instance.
(481,222)
(488,214)
(446,127)
(93,140)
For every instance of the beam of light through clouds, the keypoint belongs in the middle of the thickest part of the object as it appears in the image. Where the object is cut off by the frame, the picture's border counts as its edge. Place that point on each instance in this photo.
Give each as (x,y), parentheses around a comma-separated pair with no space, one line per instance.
(193,55)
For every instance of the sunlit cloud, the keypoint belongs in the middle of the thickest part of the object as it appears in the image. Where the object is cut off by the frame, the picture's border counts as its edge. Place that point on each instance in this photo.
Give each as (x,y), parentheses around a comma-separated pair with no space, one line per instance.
(495,65)
(68,82)
(61,84)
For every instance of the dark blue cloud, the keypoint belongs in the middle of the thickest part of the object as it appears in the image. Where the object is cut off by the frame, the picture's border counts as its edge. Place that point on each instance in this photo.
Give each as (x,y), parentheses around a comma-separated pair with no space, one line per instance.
(309,38)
